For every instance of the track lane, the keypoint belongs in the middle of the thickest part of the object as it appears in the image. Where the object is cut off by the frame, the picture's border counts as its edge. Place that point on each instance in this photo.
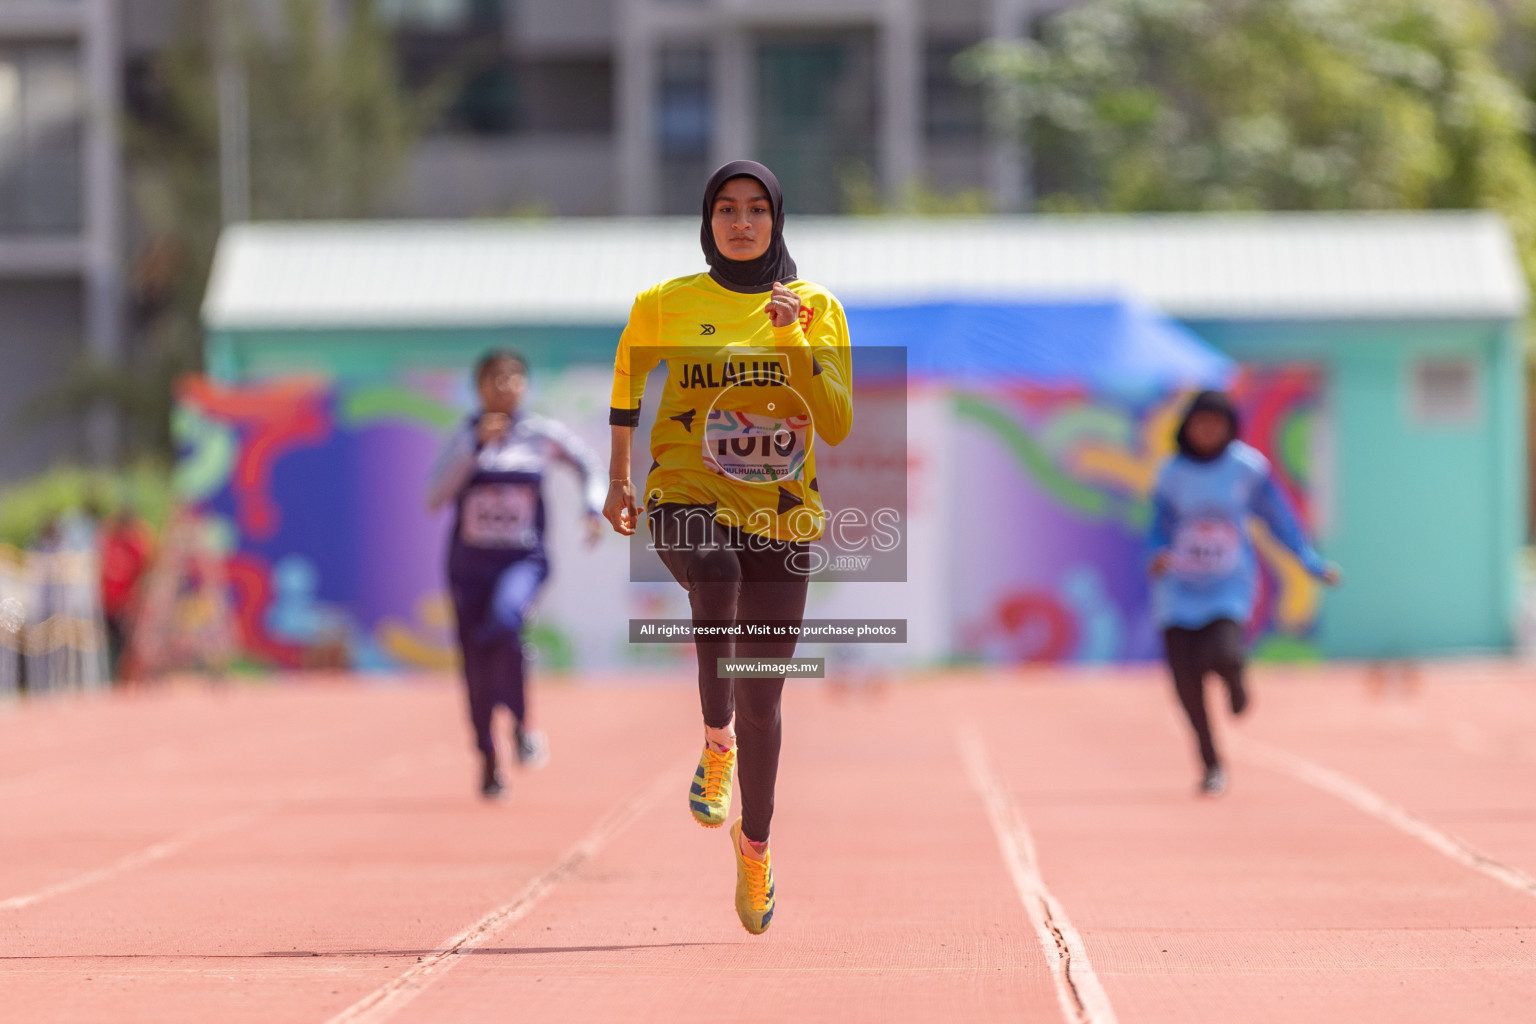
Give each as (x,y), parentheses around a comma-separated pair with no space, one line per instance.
(1457,750)
(1280,902)
(1082,998)
(333,892)
(893,903)
(1277,903)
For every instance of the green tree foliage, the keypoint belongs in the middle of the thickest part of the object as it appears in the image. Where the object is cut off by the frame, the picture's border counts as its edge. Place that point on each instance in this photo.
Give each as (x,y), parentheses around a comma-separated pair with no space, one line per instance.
(331,123)
(26,509)
(330,127)
(1146,105)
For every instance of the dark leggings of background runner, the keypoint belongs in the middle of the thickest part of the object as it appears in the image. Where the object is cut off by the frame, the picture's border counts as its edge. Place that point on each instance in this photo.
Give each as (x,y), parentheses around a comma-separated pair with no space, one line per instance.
(491,595)
(1216,647)
(732,577)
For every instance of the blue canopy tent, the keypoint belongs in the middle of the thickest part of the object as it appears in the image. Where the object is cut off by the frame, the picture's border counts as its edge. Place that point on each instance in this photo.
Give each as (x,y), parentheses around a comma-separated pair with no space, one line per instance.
(1108,345)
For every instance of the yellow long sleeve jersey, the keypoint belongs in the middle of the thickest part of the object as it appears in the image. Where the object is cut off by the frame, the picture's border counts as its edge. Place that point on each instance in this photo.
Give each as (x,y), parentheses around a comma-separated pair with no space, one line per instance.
(744,402)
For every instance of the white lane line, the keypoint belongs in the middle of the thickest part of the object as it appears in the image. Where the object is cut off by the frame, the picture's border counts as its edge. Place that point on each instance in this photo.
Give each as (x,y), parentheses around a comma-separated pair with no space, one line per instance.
(1384,810)
(388,999)
(137,859)
(1081,996)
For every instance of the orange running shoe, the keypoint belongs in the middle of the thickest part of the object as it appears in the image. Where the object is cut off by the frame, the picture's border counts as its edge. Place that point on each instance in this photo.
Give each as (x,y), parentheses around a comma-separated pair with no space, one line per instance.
(709,798)
(754,886)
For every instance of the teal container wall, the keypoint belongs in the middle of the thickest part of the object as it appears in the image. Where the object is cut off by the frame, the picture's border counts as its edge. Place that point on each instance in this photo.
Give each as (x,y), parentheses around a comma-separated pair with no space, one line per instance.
(1427,520)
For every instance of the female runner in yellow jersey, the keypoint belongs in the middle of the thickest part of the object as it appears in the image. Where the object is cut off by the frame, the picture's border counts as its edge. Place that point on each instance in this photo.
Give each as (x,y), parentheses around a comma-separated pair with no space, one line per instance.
(758,368)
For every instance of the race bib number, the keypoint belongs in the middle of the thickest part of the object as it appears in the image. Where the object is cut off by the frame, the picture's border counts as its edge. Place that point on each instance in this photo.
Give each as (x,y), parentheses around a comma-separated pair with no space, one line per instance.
(1206,547)
(756,447)
(500,516)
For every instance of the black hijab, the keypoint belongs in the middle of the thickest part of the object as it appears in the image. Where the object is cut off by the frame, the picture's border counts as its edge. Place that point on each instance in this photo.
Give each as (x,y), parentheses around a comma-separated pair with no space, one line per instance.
(1207,401)
(774,264)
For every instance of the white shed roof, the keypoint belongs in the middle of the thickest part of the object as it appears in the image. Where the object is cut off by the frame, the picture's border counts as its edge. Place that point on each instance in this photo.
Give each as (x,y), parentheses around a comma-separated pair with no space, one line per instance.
(1388,265)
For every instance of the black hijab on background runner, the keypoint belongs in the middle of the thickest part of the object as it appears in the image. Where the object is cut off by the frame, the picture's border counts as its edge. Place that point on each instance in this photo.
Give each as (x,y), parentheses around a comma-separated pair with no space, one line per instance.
(775,263)
(1207,401)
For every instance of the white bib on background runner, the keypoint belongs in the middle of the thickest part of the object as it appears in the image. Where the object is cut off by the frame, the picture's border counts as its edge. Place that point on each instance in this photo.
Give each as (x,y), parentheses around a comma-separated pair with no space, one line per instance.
(500,516)
(1206,547)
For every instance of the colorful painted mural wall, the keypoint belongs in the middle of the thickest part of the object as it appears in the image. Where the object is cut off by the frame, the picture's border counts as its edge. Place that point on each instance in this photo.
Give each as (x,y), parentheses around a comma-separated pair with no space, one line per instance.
(1049,526)
(1027,509)
(317,491)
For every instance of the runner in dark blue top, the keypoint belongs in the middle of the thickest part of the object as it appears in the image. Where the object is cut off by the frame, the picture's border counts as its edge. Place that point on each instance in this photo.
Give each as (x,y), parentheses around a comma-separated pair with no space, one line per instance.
(492,469)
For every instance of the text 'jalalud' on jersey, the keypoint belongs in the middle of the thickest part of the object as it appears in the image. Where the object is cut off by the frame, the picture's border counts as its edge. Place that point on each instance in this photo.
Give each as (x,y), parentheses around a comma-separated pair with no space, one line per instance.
(768,373)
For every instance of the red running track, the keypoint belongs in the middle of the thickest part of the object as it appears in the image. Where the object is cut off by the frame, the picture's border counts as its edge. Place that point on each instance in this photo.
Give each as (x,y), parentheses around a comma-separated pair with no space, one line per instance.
(991,847)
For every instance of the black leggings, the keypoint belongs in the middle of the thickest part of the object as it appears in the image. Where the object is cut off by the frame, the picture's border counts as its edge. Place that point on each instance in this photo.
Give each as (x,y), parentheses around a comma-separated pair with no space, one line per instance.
(492,592)
(734,577)
(1215,647)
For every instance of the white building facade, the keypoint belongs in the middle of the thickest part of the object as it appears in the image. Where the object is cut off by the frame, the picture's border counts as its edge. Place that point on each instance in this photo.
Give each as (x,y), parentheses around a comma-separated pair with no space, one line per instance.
(625,105)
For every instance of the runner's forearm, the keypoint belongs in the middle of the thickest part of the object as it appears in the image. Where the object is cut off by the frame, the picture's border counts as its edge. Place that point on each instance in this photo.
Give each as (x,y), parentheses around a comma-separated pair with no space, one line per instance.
(619,459)
(455,465)
(1270,505)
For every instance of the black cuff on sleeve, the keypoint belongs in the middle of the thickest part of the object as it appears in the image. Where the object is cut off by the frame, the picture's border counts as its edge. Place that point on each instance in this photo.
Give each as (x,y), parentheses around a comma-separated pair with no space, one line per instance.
(624,417)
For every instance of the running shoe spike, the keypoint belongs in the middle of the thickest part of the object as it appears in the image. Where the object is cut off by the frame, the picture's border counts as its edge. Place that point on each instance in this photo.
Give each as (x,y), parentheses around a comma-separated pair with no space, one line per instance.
(754,886)
(709,797)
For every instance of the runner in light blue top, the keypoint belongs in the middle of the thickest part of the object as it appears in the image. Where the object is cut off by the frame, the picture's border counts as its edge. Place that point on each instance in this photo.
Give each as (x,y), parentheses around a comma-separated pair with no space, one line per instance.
(1204,568)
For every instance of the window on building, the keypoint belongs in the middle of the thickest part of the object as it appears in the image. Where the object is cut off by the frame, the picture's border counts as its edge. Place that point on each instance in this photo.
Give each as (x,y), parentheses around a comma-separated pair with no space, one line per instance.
(496,88)
(818,115)
(461,44)
(427,14)
(1445,391)
(684,125)
(953,110)
(567,95)
(490,101)
(42,107)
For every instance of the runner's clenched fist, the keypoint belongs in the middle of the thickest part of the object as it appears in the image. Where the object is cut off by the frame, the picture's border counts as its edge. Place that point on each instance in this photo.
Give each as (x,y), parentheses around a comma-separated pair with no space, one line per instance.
(784,307)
